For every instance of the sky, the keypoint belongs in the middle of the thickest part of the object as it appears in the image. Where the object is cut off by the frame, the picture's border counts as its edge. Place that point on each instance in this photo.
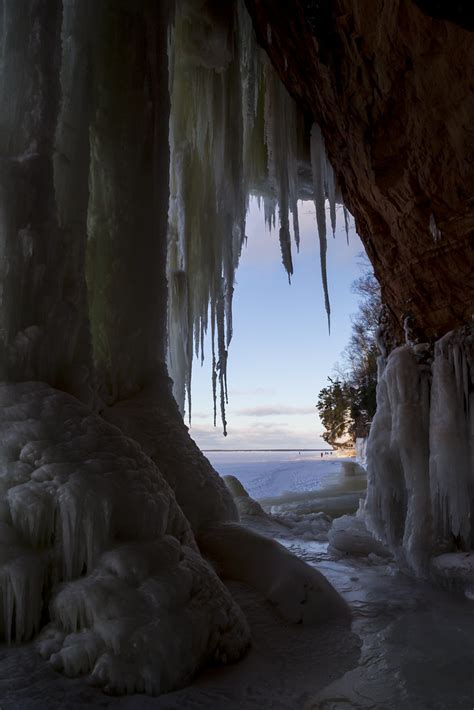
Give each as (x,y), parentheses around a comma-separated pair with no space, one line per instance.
(281,353)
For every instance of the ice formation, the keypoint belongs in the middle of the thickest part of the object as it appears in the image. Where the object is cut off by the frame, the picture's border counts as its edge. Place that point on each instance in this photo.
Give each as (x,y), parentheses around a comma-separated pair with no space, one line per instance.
(153,420)
(348,535)
(299,592)
(340,495)
(90,527)
(97,529)
(245,504)
(324,186)
(434,229)
(420,452)
(234,132)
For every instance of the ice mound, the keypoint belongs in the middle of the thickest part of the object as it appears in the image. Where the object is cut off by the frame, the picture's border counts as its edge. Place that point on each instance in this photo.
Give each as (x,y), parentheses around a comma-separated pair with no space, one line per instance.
(309,526)
(91,532)
(348,535)
(300,593)
(352,468)
(454,570)
(152,418)
(245,504)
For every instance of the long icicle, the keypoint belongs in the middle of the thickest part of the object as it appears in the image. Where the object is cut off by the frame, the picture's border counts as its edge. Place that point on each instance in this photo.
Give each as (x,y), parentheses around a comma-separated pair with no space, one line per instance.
(318,165)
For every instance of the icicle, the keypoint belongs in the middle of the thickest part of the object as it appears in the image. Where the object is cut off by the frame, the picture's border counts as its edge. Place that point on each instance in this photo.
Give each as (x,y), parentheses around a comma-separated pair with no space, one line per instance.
(434,229)
(331,192)
(234,132)
(222,362)
(346,223)
(214,366)
(318,164)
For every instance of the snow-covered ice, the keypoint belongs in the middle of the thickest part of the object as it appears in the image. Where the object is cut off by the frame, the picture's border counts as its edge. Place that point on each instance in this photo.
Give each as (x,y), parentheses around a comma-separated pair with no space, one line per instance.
(92,538)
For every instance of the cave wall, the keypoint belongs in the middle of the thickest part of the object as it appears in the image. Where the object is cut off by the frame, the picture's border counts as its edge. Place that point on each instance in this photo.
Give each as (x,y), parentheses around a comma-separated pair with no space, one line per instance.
(391,88)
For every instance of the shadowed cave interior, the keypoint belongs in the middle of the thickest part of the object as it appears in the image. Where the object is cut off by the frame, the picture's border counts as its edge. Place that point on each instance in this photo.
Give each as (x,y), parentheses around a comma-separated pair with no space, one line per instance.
(132,137)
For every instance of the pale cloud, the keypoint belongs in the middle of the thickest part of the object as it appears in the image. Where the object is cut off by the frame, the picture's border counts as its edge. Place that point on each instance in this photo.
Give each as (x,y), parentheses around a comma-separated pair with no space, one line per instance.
(259,436)
(273,410)
(255,392)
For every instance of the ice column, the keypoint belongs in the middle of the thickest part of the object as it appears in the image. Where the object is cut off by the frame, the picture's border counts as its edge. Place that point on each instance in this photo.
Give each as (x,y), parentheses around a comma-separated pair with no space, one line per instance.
(129,196)
(43,320)
(420,497)
(452,440)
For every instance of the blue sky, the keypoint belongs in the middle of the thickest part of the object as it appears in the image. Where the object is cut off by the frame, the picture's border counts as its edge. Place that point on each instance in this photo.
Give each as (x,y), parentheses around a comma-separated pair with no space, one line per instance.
(281,353)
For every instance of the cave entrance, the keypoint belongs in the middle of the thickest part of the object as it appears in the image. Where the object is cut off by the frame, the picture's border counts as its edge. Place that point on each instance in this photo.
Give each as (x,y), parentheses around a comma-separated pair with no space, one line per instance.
(281,353)
(280,357)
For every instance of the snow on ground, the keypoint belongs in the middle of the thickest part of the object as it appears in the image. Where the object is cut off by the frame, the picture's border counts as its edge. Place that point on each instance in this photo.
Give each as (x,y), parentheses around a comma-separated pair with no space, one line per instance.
(410,646)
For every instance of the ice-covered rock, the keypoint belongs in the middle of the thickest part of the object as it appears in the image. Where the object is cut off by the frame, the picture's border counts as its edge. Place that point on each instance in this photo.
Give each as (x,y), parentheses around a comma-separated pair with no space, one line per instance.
(91,531)
(348,535)
(300,593)
(308,526)
(352,468)
(454,570)
(245,504)
(152,418)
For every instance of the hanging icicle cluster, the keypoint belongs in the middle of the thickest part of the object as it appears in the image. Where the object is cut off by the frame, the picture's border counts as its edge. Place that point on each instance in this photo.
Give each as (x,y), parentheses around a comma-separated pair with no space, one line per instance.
(234,132)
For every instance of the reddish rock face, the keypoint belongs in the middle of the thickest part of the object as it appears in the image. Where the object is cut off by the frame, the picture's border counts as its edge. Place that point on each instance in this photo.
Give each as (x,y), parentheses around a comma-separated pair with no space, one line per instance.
(393,91)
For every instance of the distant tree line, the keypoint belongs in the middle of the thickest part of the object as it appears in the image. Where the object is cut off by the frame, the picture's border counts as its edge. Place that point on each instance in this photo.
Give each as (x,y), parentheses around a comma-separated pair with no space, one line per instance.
(347,405)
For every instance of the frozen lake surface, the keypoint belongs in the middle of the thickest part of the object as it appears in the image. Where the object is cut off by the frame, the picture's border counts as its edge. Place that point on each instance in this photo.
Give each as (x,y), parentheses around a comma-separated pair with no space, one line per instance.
(272,474)
(409,647)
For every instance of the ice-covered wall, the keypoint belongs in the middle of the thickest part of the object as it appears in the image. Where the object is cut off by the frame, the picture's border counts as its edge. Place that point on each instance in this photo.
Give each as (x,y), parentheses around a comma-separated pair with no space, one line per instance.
(420,495)
(83,220)
(43,194)
(234,132)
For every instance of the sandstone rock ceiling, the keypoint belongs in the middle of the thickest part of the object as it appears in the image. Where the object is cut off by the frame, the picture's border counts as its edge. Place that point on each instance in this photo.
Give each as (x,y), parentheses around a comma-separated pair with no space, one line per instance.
(392,88)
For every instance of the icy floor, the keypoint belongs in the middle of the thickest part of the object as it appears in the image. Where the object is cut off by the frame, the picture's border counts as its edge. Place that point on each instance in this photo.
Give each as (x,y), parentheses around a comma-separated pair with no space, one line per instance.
(410,647)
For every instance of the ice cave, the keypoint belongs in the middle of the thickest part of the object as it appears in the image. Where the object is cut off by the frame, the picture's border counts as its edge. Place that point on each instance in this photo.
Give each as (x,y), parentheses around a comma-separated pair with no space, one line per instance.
(133,134)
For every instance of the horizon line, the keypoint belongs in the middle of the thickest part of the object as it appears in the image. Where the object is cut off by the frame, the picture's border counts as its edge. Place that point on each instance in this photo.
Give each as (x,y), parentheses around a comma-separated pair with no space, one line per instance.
(223,451)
